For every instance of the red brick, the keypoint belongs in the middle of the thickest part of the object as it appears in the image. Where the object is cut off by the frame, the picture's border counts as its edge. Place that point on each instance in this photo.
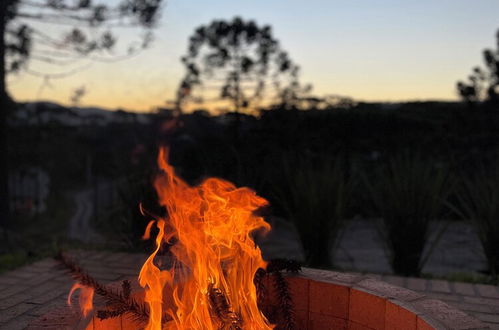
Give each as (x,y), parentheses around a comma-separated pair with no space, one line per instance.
(367,309)
(399,318)
(299,288)
(319,321)
(301,318)
(329,299)
(356,326)
(270,298)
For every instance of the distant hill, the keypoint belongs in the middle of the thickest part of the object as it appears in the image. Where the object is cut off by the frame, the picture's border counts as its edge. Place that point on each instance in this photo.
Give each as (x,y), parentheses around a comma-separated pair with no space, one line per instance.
(35,113)
(44,112)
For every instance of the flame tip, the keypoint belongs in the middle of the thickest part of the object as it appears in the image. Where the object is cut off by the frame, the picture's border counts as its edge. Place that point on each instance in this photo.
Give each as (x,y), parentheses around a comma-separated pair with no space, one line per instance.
(85,299)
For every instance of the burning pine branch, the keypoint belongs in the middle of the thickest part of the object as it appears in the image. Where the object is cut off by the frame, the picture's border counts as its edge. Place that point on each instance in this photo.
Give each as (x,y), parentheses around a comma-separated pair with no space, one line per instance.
(284,307)
(220,305)
(126,290)
(121,301)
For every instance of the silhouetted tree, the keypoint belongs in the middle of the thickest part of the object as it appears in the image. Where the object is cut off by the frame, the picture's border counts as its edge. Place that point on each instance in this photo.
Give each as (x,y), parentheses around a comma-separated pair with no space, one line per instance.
(483,84)
(241,55)
(293,96)
(77,95)
(86,27)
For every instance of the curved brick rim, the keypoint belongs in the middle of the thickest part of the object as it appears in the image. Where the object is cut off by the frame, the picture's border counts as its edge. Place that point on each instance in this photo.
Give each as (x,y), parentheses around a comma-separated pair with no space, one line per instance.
(325,300)
(348,301)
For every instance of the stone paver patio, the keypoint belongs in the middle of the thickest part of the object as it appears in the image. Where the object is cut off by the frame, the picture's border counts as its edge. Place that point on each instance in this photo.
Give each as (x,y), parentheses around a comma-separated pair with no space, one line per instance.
(31,291)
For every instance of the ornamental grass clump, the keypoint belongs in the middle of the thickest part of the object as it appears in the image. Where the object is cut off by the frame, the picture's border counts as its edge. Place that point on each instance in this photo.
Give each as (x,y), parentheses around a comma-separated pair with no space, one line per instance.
(315,194)
(408,193)
(477,201)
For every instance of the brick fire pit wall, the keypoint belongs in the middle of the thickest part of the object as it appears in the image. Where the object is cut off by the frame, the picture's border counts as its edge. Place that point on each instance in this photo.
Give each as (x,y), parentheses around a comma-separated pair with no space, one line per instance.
(327,300)
(332,300)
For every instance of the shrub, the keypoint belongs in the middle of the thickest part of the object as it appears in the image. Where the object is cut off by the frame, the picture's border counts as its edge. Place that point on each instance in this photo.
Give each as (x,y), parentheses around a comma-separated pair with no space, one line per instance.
(477,200)
(314,194)
(408,194)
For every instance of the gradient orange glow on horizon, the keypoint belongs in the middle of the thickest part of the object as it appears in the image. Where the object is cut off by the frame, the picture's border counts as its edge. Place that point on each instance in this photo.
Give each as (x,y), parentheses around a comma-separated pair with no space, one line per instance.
(370,50)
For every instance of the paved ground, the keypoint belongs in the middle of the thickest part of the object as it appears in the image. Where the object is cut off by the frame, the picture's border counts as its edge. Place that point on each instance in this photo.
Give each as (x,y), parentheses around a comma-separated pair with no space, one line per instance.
(32,290)
(458,251)
(360,248)
(79,227)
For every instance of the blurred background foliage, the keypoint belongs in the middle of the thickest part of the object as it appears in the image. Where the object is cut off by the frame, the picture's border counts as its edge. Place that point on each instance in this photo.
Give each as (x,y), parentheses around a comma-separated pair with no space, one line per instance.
(319,161)
(408,166)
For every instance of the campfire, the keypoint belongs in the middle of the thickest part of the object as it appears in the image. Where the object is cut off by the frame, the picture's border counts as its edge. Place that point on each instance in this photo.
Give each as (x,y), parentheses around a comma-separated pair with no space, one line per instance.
(215,268)
(206,272)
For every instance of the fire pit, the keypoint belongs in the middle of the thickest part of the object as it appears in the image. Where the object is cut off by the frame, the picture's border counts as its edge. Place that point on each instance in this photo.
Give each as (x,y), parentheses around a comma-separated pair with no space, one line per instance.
(322,300)
(215,277)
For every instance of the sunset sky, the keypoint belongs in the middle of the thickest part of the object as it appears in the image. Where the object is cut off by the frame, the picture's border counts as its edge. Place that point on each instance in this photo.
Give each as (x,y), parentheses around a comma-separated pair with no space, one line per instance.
(372,50)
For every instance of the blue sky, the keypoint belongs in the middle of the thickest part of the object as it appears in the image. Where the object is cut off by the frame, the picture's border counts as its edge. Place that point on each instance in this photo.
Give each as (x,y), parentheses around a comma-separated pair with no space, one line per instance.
(370,50)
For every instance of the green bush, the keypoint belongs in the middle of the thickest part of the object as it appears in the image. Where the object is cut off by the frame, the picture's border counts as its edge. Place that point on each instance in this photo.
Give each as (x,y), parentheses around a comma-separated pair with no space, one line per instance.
(408,193)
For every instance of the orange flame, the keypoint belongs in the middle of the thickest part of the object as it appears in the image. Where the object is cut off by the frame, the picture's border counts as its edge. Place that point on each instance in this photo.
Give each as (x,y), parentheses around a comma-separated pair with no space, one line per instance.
(85,299)
(210,227)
